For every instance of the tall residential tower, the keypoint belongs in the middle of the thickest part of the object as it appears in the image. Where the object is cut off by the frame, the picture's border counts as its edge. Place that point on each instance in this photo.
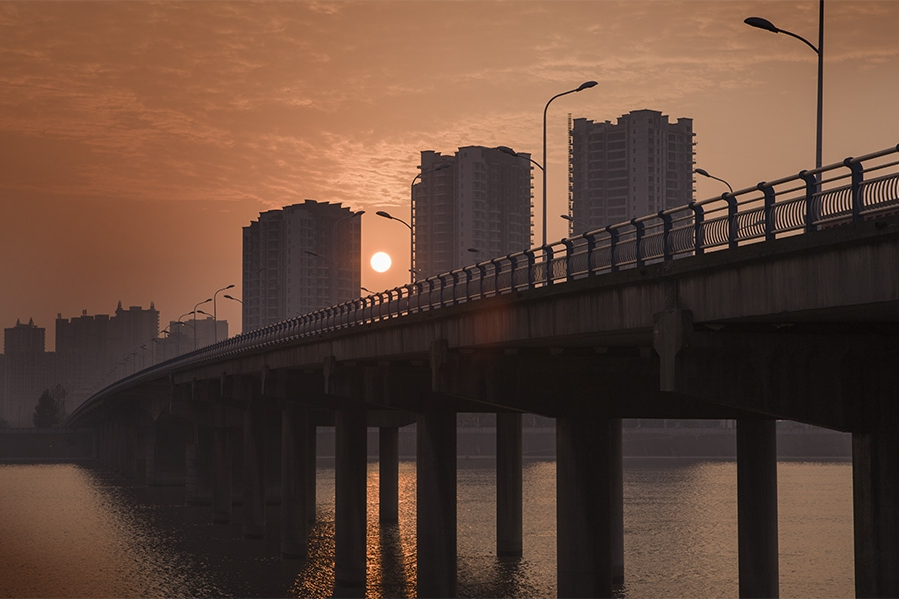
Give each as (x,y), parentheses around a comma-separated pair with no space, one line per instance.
(299,259)
(477,208)
(638,166)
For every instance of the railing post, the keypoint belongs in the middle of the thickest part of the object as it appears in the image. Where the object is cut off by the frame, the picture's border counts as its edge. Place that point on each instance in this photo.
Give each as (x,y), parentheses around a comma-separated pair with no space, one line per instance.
(613,246)
(769,209)
(483,270)
(811,201)
(591,245)
(698,230)
(530,257)
(455,275)
(513,265)
(732,229)
(568,249)
(858,177)
(666,234)
(548,263)
(638,241)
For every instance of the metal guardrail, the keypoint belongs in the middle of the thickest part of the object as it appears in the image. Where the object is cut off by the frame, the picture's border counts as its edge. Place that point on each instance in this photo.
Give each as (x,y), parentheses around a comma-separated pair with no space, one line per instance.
(848,191)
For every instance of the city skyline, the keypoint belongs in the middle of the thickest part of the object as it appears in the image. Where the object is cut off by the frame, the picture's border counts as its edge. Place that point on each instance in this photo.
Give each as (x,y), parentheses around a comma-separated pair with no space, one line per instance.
(138,138)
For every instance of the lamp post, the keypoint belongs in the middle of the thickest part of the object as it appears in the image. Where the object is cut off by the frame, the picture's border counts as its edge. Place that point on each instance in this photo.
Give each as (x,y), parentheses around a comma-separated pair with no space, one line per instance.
(705,173)
(439,167)
(215,328)
(581,87)
(769,26)
(388,216)
(195,318)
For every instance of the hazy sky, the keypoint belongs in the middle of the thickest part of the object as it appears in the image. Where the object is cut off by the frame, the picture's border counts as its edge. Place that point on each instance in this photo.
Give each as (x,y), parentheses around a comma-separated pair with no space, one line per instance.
(137,138)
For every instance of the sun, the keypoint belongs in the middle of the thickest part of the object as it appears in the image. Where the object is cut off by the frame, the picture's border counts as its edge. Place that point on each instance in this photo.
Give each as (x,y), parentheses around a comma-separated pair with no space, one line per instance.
(381,262)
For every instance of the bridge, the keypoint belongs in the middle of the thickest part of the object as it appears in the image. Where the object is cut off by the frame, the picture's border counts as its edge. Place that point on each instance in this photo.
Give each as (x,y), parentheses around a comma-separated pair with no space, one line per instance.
(779,301)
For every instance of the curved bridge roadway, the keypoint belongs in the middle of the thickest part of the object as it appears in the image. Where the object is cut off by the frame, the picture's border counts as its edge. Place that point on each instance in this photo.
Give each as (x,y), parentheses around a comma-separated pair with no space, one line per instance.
(775,302)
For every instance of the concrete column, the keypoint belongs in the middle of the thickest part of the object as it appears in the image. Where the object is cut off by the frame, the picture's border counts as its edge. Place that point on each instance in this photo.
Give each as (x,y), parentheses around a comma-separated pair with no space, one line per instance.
(254,471)
(875,494)
(311,472)
(221,475)
(198,466)
(617,480)
(757,507)
(350,499)
(436,503)
(146,455)
(388,473)
(508,484)
(129,441)
(273,458)
(294,450)
(583,507)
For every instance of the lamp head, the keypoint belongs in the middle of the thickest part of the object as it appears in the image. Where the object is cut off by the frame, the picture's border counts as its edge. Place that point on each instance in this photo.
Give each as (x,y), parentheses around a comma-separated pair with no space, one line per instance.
(761,23)
(701,171)
(384,214)
(566,217)
(507,150)
(586,85)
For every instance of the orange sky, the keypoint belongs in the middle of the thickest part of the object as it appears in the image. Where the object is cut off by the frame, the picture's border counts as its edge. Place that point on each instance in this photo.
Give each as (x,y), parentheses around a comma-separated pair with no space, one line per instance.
(137,138)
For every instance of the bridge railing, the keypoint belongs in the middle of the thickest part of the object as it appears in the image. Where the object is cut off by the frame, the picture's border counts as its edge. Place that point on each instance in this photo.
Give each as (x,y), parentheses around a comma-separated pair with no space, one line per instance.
(848,191)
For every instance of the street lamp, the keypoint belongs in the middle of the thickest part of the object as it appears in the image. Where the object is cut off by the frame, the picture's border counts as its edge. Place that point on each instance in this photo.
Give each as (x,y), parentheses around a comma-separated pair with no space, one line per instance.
(767,25)
(705,173)
(226,296)
(511,152)
(195,318)
(439,167)
(583,86)
(574,221)
(388,216)
(215,336)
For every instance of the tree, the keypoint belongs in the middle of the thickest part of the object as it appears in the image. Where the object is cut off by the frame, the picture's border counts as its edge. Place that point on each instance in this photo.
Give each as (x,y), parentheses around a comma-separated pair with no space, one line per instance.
(50,407)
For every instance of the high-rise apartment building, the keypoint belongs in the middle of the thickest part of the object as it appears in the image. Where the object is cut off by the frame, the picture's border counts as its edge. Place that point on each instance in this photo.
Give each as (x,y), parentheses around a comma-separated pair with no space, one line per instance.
(299,259)
(481,201)
(639,165)
(28,370)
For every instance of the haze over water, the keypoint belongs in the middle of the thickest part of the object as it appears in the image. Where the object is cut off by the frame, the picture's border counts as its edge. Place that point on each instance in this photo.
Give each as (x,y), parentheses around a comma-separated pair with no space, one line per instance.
(76,531)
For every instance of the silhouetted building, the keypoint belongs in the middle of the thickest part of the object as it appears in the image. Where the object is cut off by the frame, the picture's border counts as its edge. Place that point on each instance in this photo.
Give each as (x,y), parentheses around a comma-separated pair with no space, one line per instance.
(98,349)
(299,259)
(481,201)
(640,165)
(27,371)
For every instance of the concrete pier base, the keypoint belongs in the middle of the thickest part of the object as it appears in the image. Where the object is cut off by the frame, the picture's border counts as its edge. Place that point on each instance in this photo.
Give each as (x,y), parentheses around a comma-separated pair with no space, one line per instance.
(221,475)
(350,499)
(617,506)
(875,494)
(757,507)
(508,485)
(294,449)
(198,466)
(388,473)
(436,502)
(311,472)
(254,471)
(583,507)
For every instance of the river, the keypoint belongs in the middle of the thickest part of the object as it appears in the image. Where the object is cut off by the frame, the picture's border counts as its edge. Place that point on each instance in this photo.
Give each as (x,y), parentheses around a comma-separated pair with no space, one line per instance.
(71,530)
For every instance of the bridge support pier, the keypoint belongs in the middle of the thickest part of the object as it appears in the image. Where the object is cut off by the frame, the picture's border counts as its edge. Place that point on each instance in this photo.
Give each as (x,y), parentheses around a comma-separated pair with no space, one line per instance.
(294,449)
(222,457)
(616,469)
(875,487)
(311,472)
(436,503)
(388,473)
(254,470)
(198,466)
(350,496)
(583,506)
(146,455)
(757,507)
(508,484)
